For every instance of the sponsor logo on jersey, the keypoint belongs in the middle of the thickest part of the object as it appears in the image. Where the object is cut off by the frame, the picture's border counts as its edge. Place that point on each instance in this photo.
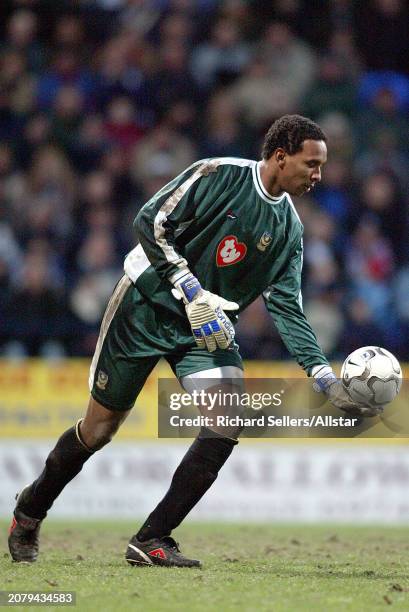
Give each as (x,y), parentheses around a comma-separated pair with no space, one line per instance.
(264,241)
(102,380)
(230,251)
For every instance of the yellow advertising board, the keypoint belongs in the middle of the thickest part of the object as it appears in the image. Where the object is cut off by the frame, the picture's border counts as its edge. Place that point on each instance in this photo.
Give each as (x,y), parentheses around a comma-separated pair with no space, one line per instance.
(40,399)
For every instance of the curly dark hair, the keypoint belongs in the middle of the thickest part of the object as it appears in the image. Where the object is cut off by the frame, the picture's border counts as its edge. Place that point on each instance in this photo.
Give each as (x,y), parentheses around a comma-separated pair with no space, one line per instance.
(288,133)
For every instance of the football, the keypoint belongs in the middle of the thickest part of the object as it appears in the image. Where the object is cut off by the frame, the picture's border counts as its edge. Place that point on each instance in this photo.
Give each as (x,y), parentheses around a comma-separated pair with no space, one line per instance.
(372,376)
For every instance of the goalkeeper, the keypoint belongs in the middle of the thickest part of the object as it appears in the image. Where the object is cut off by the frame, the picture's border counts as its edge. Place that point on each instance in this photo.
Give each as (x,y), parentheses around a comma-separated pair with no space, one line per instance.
(210,242)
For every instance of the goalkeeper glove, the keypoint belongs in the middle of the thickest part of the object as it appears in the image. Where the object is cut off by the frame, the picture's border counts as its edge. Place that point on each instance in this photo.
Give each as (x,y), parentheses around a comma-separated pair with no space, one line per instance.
(211,327)
(326,381)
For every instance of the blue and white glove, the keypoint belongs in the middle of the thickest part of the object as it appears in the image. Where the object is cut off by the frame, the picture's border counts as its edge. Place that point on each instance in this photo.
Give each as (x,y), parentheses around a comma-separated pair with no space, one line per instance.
(327,382)
(211,327)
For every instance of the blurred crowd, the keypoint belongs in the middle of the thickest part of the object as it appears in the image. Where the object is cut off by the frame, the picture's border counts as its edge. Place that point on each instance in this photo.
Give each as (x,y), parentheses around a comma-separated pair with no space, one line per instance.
(103,101)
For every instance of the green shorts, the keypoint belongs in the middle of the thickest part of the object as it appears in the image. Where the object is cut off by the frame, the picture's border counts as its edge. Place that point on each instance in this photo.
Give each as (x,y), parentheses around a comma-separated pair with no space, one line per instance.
(134,335)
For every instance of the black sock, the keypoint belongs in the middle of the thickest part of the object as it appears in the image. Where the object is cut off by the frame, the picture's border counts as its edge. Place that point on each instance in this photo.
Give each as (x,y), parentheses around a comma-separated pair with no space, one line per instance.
(63,463)
(193,477)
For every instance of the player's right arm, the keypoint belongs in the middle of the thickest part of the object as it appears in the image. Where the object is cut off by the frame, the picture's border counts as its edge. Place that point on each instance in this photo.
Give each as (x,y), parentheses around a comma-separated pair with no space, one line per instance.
(157,225)
(166,213)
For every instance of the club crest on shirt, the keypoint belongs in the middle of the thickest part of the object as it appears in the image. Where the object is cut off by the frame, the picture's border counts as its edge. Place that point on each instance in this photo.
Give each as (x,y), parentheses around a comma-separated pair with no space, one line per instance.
(264,241)
(102,380)
(230,251)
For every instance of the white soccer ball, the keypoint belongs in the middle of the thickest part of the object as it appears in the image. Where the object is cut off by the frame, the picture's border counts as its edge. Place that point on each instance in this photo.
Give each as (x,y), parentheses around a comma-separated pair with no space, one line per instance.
(372,376)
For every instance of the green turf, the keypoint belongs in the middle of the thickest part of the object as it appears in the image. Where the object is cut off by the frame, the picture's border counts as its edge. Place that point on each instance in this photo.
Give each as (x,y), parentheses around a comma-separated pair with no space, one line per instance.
(246,568)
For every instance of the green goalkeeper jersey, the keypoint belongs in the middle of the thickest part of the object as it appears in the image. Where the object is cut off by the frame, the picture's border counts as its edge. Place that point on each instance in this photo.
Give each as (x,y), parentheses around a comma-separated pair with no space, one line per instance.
(240,242)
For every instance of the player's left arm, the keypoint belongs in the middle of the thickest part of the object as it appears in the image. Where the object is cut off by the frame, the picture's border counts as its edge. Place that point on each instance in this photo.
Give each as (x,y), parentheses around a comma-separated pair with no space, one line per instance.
(284,302)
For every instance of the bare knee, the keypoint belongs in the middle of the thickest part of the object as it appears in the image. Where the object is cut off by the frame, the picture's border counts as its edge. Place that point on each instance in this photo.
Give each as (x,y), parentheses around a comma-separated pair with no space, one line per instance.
(100,425)
(101,434)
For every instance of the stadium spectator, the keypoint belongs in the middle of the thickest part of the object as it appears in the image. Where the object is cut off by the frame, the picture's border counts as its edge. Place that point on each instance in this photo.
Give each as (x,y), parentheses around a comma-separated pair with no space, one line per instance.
(258,97)
(341,132)
(45,209)
(10,255)
(69,34)
(334,194)
(222,59)
(361,325)
(162,152)
(173,81)
(320,260)
(382,28)
(380,197)
(66,117)
(269,344)
(139,17)
(16,80)
(223,134)
(91,144)
(292,62)
(21,37)
(369,263)
(324,312)
(36,310)
(382,111)
(332,89)
(121,127)
(97,259)
(342,45)
(66,68)
(35,134)
(386,157)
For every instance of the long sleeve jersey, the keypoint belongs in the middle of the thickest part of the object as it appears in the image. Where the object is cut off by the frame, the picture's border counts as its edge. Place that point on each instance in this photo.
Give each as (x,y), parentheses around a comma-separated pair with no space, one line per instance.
(217,219)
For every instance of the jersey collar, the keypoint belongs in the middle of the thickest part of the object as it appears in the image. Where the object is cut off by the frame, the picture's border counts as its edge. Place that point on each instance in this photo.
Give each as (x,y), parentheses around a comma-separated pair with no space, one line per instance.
(261,189)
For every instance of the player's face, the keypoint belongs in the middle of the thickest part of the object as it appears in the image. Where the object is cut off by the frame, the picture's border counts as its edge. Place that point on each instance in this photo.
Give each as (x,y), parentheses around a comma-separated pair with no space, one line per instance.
(301,171)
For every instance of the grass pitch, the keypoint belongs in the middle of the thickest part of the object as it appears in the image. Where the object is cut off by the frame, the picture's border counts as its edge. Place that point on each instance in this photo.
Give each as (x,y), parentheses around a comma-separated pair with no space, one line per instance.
(246,568)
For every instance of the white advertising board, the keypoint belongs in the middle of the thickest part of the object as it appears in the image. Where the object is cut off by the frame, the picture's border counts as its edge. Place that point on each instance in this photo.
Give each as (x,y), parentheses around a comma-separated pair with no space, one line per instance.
(260,482)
